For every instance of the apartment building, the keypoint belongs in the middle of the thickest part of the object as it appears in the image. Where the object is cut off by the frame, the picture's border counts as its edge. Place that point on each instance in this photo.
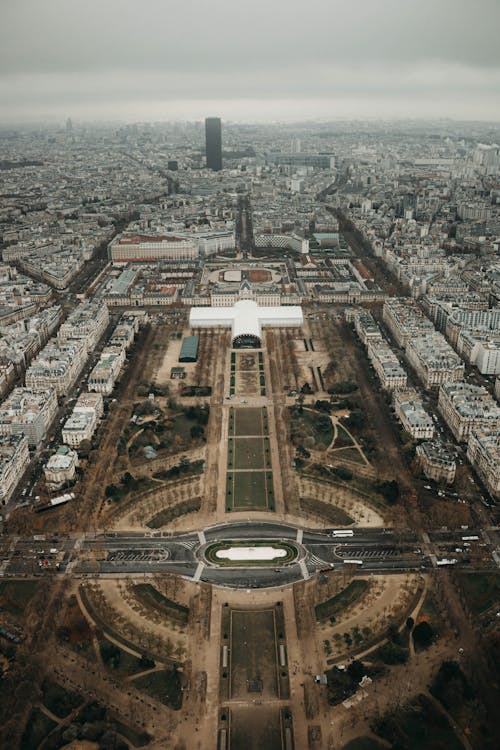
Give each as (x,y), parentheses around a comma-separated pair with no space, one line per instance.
(83,421)
(410,411)
(79,427)
(61,467)
(14,460)
(58,364)
(92,402)
(434,360)
(366,327)
(87,323)
(104,375)
(465,407)
(387,366)
(405,320)
(134,247)
(483,452)
(437,461)
(29,413)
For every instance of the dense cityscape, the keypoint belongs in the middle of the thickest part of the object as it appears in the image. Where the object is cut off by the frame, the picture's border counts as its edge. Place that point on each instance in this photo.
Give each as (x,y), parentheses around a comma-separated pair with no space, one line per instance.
(250,435)
(249,375)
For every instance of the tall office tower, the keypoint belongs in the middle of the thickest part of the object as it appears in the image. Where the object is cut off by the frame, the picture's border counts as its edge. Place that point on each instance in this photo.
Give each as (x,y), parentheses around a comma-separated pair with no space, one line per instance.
(213,141)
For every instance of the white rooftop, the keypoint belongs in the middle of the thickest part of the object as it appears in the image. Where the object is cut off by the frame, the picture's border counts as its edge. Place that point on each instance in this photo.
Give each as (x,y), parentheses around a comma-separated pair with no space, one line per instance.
(246,318)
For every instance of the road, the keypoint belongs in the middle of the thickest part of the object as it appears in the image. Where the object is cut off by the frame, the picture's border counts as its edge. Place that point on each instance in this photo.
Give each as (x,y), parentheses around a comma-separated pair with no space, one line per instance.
(377,550)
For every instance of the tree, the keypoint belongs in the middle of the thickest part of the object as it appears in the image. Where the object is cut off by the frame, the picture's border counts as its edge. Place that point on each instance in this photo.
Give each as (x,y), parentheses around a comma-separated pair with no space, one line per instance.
(423,635)
(84,448)
(356,419)
(392,653)
(389,490)
(356,670)
(196,431)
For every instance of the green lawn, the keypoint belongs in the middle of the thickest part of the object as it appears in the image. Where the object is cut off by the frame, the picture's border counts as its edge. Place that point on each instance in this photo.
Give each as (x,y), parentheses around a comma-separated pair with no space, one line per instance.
(16,595)
(58,700)
(253,652)
(138,739)
(37,728)
(247,453)
(330,513)
(164,685)
(167,515)
(481,590)
(344,599)
(150,596)
(416,726)
(118,660)
(349,454)
(249,490)
(342,440)
(247,421)
(312,426)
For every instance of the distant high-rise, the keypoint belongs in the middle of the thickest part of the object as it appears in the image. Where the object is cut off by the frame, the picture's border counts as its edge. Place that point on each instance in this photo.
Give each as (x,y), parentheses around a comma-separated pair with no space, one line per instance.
(213,143)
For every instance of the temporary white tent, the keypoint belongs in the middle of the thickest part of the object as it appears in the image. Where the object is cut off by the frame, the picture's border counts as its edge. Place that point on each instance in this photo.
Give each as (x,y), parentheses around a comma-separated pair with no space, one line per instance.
(246,318)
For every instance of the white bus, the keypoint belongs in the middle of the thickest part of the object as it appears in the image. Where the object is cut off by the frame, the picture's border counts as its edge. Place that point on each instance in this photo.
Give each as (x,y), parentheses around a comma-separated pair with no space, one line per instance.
(353,562)
(342,532)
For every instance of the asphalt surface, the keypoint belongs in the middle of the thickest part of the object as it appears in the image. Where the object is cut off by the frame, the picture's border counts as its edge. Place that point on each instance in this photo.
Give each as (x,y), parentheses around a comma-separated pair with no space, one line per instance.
(374,550)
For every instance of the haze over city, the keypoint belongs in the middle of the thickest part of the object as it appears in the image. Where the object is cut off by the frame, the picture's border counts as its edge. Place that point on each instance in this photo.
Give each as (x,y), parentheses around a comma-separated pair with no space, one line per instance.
(258,61)
(249,375)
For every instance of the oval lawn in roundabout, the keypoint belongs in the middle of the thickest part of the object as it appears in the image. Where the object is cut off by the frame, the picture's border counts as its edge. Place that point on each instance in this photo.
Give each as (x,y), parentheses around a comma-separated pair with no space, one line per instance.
(251,552)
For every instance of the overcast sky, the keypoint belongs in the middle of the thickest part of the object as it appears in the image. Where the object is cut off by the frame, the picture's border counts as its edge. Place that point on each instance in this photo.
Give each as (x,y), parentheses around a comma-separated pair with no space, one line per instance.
(249,60)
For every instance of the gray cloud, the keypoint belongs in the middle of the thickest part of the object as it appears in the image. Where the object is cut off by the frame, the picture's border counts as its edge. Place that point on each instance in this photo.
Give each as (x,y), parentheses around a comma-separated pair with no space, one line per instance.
(97,56)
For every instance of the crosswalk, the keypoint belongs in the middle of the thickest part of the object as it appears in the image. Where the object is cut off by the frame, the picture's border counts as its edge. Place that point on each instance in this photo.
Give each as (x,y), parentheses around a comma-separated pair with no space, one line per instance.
(199,570)
(315,560)
(368,554)
(191,544)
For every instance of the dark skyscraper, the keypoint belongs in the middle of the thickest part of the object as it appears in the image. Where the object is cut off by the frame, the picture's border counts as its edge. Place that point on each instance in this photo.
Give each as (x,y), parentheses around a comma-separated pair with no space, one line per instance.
(213,141)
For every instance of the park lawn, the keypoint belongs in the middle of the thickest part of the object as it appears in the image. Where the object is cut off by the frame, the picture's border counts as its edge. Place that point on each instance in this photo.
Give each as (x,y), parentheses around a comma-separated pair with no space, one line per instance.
(351,594)
(246,453)
(123,662)
(163,685)
(306,424)
(249,734)
(253,652)
(182,427)
(75,630)
(248,421)
(330,513)
(164,517)
(418,725)
(37,728)
(59,700)
(150,596)
(349,454)
(16,595)
(481,590)
(138,739)
(247,490)
(343,439)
